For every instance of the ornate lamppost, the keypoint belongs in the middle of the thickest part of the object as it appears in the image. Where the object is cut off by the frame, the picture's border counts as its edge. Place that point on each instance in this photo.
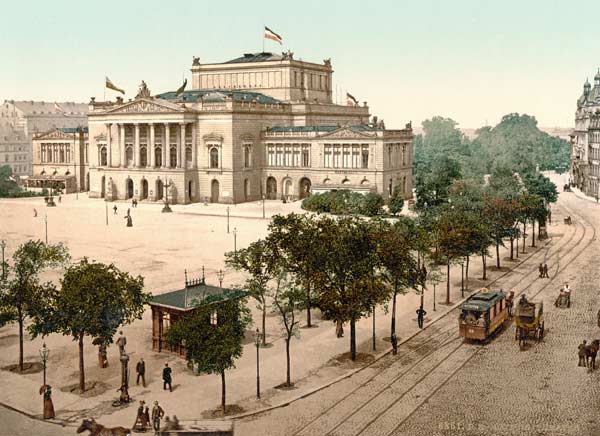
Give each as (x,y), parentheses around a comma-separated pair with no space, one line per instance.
(166,208)
(235,240)
(46,390)
(220,276)
(257,340)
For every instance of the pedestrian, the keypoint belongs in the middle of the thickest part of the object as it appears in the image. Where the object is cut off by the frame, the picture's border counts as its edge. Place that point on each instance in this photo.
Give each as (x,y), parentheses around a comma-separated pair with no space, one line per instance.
(549,216)
(140,369)
(34,213)
(339,328)
(581,354)
(541,270)
(132,202)
(141,423)
(46,391)
(421,316)
(167,378)
(128,212)
(157,414)
(115,209)
(546,271)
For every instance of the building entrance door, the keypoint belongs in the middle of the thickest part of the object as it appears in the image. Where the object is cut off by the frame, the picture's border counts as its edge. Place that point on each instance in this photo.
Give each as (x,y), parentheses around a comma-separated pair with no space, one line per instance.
(271,188)
(129,188)
(214,191)
(144,189)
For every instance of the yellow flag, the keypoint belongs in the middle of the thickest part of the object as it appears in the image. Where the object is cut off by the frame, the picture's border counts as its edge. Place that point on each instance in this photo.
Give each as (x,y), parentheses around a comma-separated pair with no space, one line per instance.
(112,86)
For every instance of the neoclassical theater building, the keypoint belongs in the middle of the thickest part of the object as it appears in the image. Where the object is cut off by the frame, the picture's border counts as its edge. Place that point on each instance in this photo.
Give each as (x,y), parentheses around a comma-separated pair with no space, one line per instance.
(585,140)
(262,125)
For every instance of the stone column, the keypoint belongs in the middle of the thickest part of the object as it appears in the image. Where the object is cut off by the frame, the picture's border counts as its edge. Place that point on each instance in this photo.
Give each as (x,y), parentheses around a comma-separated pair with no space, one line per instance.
(108,145)
(181,144)
(136,146)
(122,145)
(150,149)
(167,147)
(194,147)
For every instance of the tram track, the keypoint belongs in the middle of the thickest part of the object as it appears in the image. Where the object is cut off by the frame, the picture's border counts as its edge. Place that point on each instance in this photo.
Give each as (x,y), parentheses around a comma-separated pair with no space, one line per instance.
(347,424)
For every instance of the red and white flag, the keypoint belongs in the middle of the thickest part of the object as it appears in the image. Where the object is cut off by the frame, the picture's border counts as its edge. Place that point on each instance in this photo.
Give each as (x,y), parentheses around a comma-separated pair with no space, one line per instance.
(57,107)
(269,34)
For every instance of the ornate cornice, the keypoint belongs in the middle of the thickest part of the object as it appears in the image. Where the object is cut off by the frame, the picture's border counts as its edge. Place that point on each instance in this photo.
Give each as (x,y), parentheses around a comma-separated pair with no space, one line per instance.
(212,137)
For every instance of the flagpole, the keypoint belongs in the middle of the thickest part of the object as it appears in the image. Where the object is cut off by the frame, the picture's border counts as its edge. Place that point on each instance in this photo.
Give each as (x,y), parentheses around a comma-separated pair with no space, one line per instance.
(263,39)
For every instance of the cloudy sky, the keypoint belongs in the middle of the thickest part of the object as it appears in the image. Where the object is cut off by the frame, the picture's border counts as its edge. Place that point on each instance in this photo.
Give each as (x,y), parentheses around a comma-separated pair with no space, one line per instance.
(473,61)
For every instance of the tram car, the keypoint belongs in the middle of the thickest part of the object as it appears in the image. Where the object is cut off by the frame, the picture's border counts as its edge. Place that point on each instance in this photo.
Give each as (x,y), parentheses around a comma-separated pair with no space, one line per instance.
(482,314)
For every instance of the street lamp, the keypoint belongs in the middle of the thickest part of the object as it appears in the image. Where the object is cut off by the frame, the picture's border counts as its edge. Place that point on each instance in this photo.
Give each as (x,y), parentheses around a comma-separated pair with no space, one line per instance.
(257,339)
(263,205)
(3,245)
(44,353)
(235,240)
(166,208)
(220,276)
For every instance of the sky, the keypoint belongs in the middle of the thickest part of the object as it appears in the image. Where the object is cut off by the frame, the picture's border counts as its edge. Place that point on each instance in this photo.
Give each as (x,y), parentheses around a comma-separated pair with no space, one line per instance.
(472,61)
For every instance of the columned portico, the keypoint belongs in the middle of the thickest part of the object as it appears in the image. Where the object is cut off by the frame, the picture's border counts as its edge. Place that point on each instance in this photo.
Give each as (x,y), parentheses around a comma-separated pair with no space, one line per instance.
(181,154)
(167,147)
(194,151)
(123,162)
(109,145)
(151,145)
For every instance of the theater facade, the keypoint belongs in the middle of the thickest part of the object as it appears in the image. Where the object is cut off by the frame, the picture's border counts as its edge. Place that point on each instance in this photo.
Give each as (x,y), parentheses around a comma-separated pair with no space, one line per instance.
(262,125)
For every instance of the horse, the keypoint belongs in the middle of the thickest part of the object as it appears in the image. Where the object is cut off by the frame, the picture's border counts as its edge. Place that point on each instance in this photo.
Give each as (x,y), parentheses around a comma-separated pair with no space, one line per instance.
(591,351)
(96,429)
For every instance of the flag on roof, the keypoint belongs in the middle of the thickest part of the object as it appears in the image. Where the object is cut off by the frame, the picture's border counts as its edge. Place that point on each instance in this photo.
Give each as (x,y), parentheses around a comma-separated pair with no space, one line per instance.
(269,34)
(58,107)
(351,100)
(181,88)
(112,86)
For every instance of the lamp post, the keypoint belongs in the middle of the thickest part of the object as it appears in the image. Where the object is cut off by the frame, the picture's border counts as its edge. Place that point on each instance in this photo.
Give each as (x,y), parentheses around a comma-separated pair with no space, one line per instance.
(257,339)
(166,208)
(3,245)
(220,276)
(235,240)
(227,219)
(44,353)
(263,205)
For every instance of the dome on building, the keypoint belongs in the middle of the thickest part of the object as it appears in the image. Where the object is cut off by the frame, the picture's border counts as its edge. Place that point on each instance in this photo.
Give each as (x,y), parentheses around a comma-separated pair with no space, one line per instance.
(597,77)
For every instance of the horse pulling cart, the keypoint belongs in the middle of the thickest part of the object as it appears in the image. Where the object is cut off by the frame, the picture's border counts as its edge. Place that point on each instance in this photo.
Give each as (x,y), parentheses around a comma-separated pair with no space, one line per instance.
(529,321)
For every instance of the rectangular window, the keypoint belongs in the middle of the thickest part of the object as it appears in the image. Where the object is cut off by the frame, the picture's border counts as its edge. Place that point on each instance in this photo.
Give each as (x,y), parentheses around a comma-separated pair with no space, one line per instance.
(346,161)
(365,156)
(305,156)
(327,156)
(336,156)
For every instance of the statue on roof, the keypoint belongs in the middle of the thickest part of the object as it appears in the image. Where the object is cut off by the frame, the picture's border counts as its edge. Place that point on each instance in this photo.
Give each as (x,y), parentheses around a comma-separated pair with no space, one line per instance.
(287,56)
(327,62)
(195,61)
(143,91)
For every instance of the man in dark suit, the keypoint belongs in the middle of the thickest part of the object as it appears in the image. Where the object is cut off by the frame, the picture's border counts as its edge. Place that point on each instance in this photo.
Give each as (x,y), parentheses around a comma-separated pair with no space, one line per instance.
(167,377)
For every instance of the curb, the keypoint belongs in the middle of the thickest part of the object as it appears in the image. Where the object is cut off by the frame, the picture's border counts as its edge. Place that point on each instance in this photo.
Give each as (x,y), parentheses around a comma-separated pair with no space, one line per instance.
(378,356)
(61,422)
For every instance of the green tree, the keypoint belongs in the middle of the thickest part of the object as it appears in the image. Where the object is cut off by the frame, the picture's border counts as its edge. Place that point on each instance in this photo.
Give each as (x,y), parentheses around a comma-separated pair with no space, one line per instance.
(260,261)
(288,299)
(22,291)
(396,202)
(372,204)
(345,281)
(500,215)
(213,347)
(94,300)
(294,237)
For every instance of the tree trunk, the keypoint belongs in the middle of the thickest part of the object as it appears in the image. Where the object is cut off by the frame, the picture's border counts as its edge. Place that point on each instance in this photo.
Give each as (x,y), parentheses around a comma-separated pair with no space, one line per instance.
(288,379)
(81,367)
(264,322)
(484,267)
(353,339)
(308,319)
(448,286)
(223,391)
(533,234)
(20,316)
(393,329)
(467,275)
(517,245)
(524,235)
(512,247)
(497,254)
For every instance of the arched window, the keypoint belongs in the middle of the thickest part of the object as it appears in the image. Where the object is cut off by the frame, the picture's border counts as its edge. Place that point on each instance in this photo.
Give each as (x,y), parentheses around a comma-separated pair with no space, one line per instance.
(188,157)
(158,156)
(103,157)
(143,157)
(247,156)
(214,157)
(129,156)
(173,156)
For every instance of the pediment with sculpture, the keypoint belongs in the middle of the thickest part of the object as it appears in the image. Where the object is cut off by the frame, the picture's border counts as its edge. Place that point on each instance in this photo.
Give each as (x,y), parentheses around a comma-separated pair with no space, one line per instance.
(348,132)
(146,105)
(54,134)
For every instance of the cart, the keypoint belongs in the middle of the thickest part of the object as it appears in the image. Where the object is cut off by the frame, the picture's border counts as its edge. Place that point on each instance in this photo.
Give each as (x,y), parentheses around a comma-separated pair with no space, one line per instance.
(529,321)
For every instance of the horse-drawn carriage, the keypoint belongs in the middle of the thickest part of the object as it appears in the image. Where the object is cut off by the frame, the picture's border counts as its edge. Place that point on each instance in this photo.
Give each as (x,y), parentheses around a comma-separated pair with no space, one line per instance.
(568,220)
(482,314)
(529,320)
(566,187)
(564,298)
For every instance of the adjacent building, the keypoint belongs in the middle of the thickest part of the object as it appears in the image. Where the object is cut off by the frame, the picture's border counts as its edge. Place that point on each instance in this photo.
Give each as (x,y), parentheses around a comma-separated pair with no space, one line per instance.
(14,152)
(585,140)
(28,118)
(60,160)
(261,125)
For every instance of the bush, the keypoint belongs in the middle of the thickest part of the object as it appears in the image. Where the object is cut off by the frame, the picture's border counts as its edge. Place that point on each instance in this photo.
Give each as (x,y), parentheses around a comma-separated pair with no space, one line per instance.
(344,202)
(372,204)
(396,202)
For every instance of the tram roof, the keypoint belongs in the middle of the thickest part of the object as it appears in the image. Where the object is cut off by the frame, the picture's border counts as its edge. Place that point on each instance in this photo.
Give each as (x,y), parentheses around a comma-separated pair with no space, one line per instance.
(481,302)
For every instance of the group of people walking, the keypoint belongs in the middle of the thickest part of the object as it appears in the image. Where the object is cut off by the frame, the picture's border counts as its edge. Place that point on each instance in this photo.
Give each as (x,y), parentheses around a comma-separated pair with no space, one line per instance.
(543,269)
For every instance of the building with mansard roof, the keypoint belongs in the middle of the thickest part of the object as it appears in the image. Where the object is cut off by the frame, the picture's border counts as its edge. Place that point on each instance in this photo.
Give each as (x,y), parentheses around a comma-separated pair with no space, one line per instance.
(261,125)
(585,140)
